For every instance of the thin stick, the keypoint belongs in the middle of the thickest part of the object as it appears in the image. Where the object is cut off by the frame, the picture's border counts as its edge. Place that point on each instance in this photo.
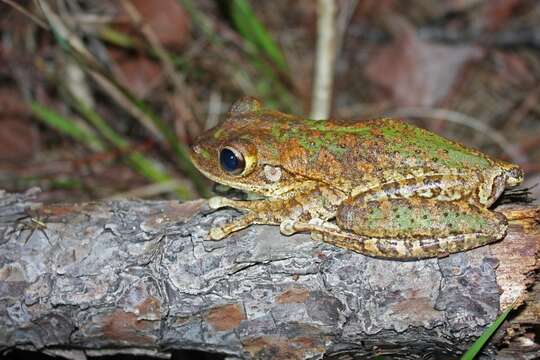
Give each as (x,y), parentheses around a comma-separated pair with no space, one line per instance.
(343,20)
(27,13)
(177,80)
(324,63)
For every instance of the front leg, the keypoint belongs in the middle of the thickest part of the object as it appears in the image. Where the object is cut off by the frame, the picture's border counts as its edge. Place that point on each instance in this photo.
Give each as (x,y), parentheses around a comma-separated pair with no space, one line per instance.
(317,203)
(220,232)
(257,212)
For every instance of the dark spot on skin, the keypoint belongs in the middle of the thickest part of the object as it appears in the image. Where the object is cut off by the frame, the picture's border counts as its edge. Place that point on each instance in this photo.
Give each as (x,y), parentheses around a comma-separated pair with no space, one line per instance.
(434,159)
(449,225)
(445,214)
(425,216)
(412,221)
(397,216)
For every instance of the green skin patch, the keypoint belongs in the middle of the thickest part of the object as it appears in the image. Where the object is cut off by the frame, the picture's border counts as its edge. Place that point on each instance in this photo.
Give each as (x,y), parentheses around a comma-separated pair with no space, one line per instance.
(434,147)
(314,143)
(401,138)
(218,133)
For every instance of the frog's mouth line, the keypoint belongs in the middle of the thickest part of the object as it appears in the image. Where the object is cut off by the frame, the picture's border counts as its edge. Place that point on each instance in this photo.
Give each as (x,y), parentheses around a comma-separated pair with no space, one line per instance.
(269,191)
(260,190)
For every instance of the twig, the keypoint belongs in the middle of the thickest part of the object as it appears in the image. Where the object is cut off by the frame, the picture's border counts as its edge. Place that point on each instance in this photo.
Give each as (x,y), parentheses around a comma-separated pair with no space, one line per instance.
(343,21)
(175,78)
(27,13)
(106,84)
(528,103)
(72,43)
(324,63)
(214,109)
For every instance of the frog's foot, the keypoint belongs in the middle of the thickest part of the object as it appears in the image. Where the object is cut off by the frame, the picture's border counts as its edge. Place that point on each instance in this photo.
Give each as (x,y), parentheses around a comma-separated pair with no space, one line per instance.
(325,226)
(222,231)
(216,233)
(316,226)
(218,202)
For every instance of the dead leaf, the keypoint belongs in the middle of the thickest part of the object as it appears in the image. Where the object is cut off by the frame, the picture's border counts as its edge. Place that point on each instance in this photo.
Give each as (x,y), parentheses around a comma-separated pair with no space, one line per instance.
(496,13)
(167,19)
(417,72)
(140,74)
(18,138)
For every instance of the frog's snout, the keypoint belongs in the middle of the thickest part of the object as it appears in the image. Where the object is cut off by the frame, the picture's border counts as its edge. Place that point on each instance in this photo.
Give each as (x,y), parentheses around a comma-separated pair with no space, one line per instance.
(514,177)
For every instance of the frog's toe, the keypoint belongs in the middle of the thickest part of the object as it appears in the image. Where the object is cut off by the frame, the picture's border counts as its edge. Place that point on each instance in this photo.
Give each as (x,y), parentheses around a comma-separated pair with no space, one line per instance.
(216,233)
(217,202)
(317,236)
(287,227)
(320,223)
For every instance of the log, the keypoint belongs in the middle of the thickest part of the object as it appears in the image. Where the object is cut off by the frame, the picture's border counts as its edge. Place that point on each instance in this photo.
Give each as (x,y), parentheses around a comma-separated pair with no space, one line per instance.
(138,277)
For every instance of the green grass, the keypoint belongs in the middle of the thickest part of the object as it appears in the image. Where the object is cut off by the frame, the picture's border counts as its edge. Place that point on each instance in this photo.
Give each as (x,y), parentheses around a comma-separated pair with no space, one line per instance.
(254,32)
(266,68)
(475,349)
(69,127)
(75,48)
(66,126)
(265,56)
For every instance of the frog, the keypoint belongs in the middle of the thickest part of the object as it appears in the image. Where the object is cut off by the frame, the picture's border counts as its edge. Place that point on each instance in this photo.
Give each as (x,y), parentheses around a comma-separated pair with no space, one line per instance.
(380,187)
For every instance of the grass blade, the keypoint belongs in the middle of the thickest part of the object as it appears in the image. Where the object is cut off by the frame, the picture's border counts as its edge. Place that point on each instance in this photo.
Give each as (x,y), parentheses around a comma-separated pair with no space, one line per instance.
(138,161)
(66,126)
(144,166)
(253,31)
(76,47)
(484,338)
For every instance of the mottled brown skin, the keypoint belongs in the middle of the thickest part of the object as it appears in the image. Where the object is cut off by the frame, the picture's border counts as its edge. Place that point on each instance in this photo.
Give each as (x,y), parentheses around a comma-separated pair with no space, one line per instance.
(395,190)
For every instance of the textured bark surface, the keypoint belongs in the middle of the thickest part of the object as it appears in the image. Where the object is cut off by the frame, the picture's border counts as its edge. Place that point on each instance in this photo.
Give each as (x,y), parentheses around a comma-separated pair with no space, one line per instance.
(138,277)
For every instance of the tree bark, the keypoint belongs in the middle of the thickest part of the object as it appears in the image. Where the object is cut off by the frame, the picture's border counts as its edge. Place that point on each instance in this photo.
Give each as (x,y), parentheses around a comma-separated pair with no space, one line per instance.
(139,277)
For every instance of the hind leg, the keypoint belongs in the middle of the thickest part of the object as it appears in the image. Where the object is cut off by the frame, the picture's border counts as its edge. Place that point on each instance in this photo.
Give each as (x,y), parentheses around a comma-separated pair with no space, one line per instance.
(411,228)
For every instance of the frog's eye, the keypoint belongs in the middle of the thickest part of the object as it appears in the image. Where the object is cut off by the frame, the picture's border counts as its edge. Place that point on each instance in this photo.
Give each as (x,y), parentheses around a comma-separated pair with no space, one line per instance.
(231,161)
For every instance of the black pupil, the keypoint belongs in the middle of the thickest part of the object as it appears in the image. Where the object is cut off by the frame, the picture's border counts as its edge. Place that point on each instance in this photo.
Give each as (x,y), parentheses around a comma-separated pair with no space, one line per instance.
(229,161)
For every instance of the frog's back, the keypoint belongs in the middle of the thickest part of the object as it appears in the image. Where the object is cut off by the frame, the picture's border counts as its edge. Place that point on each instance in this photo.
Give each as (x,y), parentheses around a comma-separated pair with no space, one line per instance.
(347,153)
